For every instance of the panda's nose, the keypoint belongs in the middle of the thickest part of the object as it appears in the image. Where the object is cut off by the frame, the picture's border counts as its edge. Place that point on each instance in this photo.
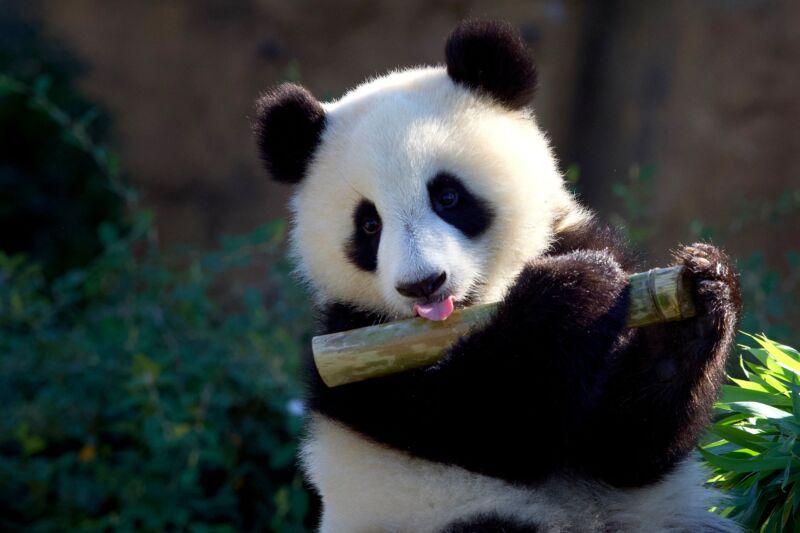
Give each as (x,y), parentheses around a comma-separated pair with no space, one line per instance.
(422,288)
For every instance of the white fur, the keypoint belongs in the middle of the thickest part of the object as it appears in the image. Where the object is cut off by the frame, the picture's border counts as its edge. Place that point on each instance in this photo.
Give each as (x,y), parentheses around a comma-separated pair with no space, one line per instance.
(383,141)
(367,487)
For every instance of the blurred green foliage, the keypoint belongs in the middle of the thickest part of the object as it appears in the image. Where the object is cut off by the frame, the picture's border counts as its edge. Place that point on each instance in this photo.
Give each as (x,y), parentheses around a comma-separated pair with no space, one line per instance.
(56,184)
(134,401)
(140,392)
(635,199)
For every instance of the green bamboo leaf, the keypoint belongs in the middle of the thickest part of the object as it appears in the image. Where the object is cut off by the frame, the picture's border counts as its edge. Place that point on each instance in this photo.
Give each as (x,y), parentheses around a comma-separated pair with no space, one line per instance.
(762,376)
(760,409)
(788,350)
(748,385)
(753,464)
(785,477)
(782,419)
(782,358)
(753,374)
(787,511)
(733,418)
(732,393)
(763,356)
(772,524)
(741,437)
(753,504)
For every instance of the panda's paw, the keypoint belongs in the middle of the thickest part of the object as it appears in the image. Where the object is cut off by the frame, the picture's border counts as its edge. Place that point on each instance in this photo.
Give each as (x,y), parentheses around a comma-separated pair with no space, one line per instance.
(714,277)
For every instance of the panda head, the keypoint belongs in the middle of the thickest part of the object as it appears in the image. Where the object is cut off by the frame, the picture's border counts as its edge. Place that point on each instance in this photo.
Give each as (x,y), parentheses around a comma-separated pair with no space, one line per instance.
(421,188)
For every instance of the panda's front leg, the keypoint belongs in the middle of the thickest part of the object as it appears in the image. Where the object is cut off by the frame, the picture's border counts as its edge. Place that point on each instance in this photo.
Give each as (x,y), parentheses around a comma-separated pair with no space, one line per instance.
(512,399)
(662,385)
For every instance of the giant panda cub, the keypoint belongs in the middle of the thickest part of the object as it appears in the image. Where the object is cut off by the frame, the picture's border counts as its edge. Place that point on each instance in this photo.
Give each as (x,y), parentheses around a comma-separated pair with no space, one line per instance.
(433,188)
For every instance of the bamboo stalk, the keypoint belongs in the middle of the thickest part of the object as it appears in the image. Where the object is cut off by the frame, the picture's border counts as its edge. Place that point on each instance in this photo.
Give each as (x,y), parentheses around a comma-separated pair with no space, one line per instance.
(656,296)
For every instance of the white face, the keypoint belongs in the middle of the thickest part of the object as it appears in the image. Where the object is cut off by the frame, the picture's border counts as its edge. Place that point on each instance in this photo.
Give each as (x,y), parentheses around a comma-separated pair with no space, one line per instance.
(417,178)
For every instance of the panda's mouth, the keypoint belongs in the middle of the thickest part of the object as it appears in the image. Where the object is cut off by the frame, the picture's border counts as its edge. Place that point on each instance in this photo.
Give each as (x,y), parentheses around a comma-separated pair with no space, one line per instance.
(436,310)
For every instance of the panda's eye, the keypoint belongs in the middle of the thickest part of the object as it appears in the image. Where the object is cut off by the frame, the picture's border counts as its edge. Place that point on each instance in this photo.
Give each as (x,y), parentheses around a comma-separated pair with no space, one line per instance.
(371,226)
(448,198)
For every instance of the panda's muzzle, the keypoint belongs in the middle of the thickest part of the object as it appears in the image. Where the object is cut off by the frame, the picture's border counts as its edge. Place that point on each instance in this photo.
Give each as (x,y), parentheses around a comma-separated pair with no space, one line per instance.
(424,288)
(427,305)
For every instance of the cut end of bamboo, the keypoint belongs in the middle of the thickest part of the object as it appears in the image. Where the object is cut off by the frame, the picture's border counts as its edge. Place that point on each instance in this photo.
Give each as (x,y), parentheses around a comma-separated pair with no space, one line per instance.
(660,295)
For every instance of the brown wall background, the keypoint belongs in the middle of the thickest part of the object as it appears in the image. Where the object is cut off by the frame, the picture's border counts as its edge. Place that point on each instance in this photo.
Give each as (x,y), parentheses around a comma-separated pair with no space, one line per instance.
(706,91)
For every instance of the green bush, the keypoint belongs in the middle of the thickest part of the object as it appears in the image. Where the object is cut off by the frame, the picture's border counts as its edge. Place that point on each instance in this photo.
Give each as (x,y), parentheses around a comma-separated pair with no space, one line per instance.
(753,448)
(58,182)
(134,401)
(139,392)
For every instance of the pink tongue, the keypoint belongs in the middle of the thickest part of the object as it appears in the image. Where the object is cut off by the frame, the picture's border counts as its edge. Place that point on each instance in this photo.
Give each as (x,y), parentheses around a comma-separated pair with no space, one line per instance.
(436,311)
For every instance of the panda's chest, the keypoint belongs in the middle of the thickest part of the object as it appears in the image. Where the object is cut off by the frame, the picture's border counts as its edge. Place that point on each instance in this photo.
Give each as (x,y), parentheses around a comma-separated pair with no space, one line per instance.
(368,487)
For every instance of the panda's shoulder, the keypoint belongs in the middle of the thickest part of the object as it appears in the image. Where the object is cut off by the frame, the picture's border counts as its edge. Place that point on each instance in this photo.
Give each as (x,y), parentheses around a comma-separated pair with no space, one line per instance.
(589,234)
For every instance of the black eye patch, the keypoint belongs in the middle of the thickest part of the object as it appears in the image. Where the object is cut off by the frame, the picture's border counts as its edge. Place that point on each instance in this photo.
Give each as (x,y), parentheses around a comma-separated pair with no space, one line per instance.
(362,247)
(457,206)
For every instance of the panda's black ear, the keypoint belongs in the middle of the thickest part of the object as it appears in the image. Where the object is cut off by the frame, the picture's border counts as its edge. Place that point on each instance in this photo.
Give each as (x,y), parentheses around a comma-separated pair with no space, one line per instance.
(490,57)
(288,126)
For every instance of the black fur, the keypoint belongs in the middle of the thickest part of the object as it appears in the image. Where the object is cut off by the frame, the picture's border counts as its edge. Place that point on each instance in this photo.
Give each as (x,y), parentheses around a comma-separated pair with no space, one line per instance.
(343,317)
(471,215)
(661,387)
(490,57)
(362,248)
(288,127)
(554,370)
(538,365)
(593,236)
(670,372)
(489,523)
